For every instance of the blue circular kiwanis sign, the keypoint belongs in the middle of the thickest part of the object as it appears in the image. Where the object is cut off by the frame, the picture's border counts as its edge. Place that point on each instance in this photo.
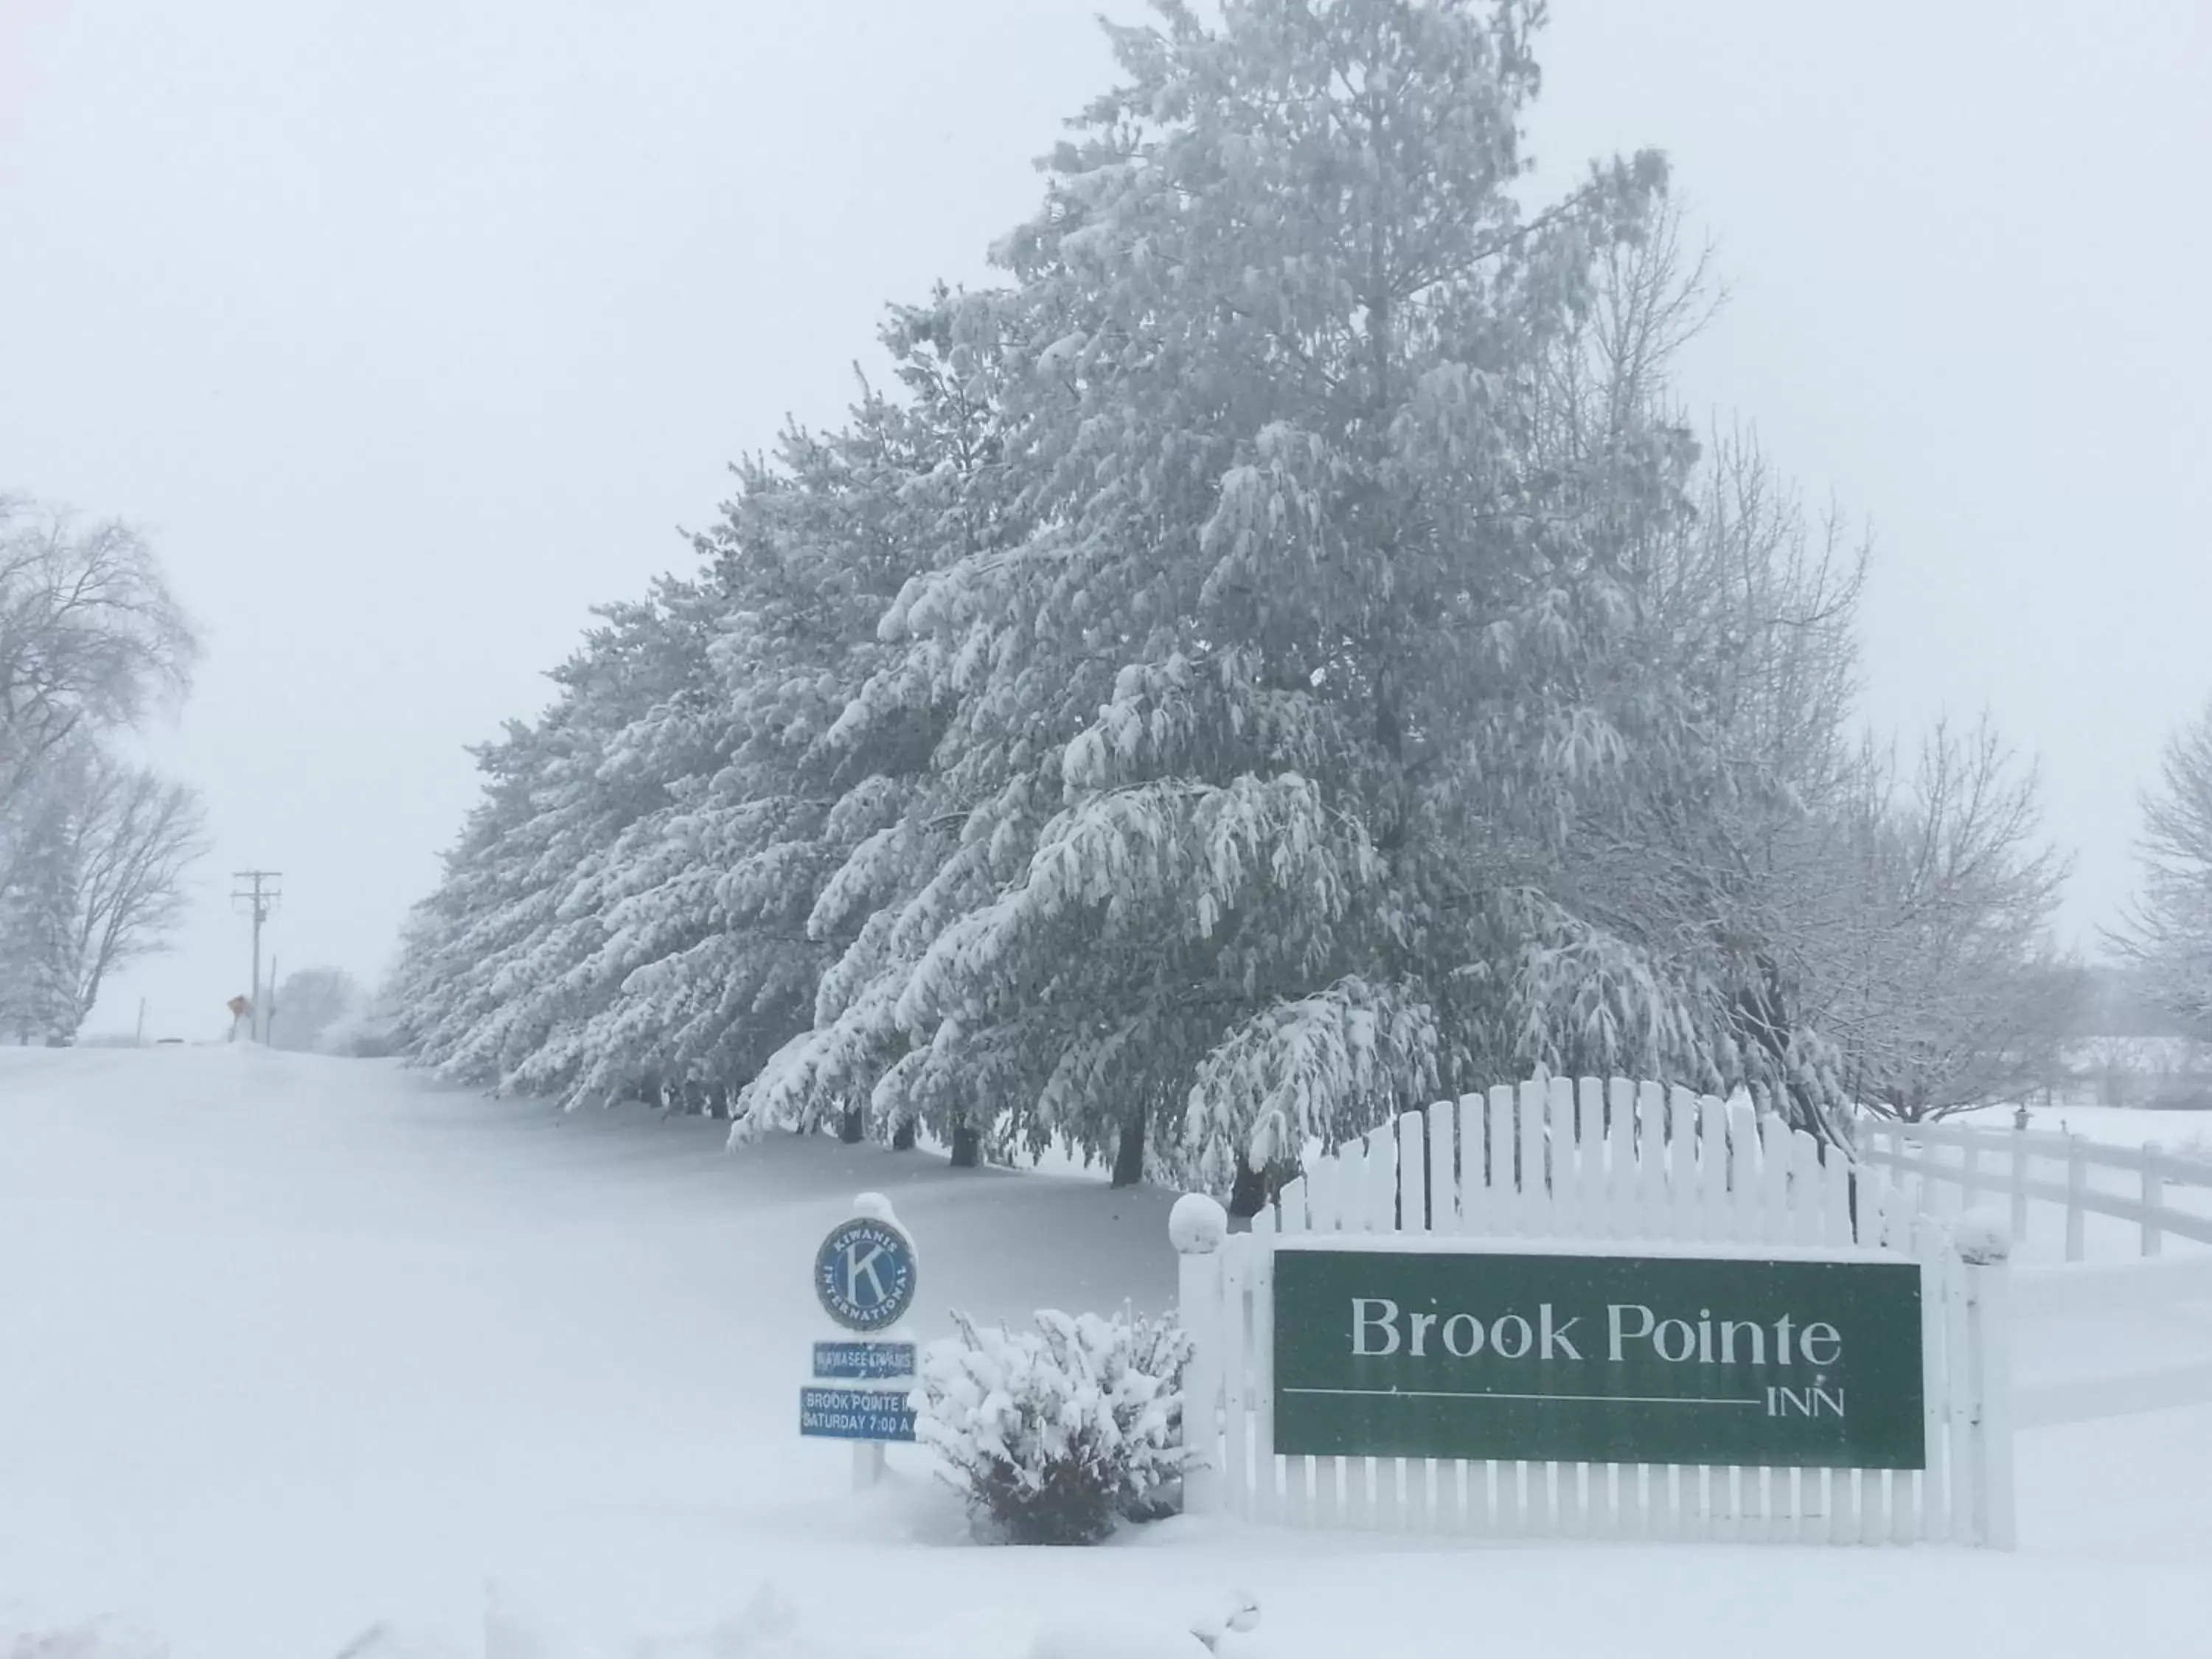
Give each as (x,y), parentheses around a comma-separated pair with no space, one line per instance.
(865,1274)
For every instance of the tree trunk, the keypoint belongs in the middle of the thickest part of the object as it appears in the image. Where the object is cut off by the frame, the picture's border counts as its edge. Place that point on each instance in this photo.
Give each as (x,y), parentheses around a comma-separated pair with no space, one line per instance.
(967,1147)
(903,1136)
(849,1126)
(1129,1156)
(1250,1196)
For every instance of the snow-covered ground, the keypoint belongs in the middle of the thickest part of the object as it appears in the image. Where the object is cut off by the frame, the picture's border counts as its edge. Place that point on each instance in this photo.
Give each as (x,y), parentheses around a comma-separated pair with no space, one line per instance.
(292,1349)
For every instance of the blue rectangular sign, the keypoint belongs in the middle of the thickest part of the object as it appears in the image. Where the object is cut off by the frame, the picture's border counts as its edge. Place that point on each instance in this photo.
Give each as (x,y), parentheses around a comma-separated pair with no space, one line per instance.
(863,1362)
(855,1414)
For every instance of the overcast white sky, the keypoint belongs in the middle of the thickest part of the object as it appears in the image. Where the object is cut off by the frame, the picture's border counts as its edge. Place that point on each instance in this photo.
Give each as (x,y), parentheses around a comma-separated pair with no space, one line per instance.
(410,329)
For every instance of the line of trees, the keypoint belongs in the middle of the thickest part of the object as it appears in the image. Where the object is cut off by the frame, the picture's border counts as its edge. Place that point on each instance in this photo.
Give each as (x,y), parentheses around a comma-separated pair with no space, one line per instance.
(325,1011)
(94,847)
(1279,656)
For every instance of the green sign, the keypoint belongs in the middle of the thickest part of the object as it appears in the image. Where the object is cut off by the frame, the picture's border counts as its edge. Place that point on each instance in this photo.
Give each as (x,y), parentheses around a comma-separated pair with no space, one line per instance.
(1598,1359)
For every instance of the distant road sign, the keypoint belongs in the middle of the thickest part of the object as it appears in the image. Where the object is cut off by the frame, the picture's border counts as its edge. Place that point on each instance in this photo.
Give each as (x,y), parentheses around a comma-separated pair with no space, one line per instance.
(863,1362)
(854,1414)
(865,1274)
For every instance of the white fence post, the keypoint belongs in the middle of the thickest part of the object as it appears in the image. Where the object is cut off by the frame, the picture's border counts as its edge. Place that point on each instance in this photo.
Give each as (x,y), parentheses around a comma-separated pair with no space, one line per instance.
(2153,1194)
(2077,1181)
(2020,1178)
(1198,1227)
(1988,1358)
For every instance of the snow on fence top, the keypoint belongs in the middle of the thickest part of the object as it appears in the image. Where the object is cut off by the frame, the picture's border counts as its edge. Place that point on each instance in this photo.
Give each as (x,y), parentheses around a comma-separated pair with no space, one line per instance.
(1587,1158)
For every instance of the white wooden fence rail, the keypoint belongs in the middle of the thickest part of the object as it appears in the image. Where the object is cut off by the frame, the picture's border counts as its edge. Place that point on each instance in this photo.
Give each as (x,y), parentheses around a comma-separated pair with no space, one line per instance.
(2171,1194)
(2051,1185)
(1602,1160)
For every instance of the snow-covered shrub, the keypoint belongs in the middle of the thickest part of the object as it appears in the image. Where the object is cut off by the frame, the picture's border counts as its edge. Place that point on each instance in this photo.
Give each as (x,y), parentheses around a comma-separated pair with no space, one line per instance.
(1055,1435)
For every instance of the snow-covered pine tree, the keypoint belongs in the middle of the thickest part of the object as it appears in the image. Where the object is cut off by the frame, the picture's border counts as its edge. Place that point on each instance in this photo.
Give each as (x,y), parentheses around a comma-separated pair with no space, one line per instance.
(1311,637)
(642,903)
(493,980)
(435,991)
(915,483)
(671,734)
(1279,656)
(809,553)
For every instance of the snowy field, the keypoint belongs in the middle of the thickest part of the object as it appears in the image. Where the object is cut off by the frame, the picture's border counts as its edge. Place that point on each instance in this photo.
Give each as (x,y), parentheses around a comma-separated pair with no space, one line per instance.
(297,1350)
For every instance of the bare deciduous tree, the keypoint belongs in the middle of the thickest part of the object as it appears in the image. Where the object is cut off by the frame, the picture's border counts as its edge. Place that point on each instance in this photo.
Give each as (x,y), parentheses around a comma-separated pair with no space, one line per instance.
(1927,909)
(90,636)
(308,1003)
(94,880)
(1887,934)
(143,832)
(2169,937)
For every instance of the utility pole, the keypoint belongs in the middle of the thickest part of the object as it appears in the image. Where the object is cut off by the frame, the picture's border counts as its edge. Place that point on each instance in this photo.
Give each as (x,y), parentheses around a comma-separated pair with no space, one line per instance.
(261,894)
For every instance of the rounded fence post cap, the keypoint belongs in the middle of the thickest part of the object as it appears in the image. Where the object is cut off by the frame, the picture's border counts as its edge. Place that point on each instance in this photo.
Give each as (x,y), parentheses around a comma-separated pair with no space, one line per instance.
(1197,1225)
(1982,1237)
(875,1206)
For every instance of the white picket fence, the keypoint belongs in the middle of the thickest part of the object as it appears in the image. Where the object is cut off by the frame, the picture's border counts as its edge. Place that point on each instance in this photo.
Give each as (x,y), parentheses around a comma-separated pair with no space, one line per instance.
(1602,1160)
(2167,1194)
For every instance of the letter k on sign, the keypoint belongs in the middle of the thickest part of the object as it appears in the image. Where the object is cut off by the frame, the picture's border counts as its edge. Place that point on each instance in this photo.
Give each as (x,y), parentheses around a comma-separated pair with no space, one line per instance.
(855,1265)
